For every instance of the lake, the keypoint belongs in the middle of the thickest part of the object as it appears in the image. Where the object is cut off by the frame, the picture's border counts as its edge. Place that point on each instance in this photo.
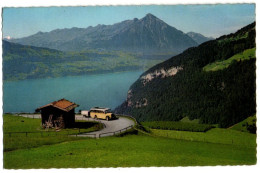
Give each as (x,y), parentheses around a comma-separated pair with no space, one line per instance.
(104,90)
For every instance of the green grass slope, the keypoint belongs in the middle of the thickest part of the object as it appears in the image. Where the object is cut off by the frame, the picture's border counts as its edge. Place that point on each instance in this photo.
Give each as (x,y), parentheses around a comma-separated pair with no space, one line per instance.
(242,126)
(187,120)
(130,151)
(220,65)
(37,136)
(136,150)
(216,135)
(177,125)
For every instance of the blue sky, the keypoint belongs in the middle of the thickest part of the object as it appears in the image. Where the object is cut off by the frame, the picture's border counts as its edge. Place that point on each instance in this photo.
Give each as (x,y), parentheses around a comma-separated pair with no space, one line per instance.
(209,20)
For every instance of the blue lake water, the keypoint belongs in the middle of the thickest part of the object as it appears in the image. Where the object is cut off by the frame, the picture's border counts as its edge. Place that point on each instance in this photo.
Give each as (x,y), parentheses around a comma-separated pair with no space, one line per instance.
(104,90)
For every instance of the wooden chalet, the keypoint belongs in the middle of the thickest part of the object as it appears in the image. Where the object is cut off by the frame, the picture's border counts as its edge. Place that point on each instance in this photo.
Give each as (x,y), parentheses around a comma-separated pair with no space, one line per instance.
(58,114)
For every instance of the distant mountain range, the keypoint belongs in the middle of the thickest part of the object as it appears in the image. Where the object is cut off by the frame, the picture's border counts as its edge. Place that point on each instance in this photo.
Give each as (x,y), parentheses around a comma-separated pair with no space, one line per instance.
(214,82)
(146,35)
(199,38)
(128,45)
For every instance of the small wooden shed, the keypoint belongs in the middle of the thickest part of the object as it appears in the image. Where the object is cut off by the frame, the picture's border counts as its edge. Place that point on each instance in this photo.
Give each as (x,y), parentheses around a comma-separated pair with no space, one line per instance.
(58,114)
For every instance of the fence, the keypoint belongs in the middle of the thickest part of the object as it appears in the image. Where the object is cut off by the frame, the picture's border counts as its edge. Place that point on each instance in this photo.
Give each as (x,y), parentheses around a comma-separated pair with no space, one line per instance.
(53,133)
(33,116)
(42,134)
(116,132)
(37,116)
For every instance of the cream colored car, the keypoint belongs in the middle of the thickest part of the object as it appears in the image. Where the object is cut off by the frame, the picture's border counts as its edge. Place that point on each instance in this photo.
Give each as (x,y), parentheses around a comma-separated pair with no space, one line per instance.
(101,113)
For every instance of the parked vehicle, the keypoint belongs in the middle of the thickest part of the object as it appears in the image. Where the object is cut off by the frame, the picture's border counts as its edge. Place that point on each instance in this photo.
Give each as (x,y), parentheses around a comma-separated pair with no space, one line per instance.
(85,113)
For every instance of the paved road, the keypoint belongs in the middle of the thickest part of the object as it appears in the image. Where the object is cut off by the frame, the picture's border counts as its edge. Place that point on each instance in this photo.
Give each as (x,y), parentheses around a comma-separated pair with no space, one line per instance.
(110,126)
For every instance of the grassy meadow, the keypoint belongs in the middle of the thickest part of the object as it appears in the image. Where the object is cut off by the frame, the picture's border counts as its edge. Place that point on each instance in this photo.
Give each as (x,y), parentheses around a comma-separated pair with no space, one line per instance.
(37,136)
(216,135)
(242,126)
(176,125)
(160,148)
(220,65)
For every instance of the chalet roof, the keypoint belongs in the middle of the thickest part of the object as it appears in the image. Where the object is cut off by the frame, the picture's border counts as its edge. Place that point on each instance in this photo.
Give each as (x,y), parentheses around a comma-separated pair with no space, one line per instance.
(62,104)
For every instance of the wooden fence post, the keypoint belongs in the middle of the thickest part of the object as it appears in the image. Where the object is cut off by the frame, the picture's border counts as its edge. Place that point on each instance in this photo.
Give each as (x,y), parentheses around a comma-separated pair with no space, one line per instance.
(26,133)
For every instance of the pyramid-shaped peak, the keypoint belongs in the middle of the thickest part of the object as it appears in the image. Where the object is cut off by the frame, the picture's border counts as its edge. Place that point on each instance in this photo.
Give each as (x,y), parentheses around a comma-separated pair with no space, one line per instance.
(150,18)
(149,15)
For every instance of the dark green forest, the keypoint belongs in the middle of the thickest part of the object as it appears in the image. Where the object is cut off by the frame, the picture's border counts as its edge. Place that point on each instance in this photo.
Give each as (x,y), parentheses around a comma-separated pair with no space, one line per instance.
(222,97)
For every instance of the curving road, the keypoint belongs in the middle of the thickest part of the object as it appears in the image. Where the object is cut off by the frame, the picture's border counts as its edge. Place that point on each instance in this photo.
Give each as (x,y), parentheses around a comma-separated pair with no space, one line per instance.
(110,126)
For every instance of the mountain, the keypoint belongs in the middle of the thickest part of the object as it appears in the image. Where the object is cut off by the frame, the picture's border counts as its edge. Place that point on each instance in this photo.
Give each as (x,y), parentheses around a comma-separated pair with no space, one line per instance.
(145,35)
(214,82)
(30,62)
(199,38)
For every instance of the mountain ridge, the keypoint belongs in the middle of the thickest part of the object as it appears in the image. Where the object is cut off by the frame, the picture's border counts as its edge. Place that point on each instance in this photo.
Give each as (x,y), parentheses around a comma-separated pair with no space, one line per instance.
(148,34)
(199,38)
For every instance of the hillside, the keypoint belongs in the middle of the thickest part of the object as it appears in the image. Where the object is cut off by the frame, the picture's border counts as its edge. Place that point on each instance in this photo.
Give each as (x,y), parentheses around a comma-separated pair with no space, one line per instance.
(179,87)
(50,149)
(29,62)
(247,125)
(222,64)
(146,35)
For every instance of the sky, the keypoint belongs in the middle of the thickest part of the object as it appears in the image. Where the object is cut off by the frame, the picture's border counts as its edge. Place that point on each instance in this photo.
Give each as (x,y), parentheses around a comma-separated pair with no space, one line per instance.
(209,20)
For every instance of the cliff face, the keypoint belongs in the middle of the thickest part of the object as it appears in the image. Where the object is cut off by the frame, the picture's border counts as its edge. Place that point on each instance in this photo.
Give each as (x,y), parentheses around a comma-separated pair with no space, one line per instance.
(161,73)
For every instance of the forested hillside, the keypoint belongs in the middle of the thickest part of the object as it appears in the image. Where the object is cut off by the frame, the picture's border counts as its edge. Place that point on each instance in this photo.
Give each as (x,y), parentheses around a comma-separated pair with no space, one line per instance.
(181,86)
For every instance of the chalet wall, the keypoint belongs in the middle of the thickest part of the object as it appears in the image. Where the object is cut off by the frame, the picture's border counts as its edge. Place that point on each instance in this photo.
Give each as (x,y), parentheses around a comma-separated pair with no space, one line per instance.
(68,118)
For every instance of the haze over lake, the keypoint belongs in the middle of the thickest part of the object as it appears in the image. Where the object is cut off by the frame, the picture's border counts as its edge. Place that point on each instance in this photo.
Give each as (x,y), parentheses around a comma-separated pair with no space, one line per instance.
(106,90)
